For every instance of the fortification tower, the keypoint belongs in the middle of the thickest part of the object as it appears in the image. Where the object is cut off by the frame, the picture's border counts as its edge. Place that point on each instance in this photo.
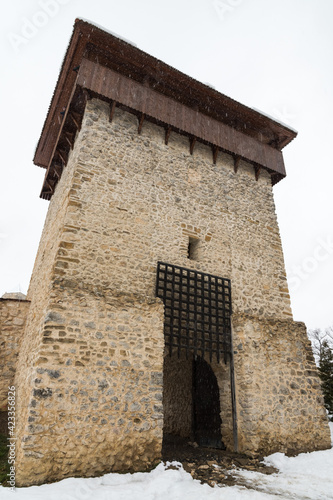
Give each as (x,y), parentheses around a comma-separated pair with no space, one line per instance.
(159,299)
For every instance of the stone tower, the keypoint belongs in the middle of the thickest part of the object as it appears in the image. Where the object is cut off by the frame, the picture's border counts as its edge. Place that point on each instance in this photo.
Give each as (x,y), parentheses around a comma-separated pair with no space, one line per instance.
(159,299)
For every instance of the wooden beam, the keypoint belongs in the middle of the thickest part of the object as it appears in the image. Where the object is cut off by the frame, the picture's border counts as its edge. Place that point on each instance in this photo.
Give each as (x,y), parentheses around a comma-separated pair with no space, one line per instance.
(193,140)
(69,138)
(215,153)
(142,118)
(236,163)
(62,155)
(60,132)
(74,116)
(86,96)
(49,185)
(112,109)
(257,171)
(57,168)
(167,134)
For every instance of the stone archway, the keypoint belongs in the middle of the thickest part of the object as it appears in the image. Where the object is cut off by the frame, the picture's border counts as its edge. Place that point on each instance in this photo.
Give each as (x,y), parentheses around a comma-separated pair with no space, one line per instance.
(192,401)
(206,405)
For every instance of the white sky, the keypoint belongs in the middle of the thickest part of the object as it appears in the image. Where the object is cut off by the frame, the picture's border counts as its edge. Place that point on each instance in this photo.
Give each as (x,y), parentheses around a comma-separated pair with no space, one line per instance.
(273,55)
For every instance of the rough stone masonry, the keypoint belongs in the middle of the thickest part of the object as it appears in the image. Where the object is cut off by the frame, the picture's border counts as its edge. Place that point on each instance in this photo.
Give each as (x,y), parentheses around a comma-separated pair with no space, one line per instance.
(96,386)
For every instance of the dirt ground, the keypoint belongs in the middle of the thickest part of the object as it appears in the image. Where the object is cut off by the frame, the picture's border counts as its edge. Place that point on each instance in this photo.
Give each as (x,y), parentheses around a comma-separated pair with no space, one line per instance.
(210,465)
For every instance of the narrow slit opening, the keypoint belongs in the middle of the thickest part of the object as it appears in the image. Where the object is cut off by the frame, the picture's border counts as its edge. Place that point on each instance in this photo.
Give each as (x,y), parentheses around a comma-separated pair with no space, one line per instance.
(192,249)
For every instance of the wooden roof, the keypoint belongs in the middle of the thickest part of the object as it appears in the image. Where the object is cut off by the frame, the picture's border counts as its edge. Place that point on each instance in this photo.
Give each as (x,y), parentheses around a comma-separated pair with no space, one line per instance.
(98,63)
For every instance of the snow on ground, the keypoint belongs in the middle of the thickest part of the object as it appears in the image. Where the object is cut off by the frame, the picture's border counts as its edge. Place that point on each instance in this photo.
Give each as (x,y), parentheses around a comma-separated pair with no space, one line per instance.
(307,476)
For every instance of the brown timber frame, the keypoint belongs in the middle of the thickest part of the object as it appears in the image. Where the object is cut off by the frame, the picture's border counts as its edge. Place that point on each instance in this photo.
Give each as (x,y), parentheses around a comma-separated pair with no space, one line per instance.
(98,64)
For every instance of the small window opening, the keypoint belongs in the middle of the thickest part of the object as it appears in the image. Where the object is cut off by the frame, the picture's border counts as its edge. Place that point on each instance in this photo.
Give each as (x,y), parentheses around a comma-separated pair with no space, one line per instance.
(193,247)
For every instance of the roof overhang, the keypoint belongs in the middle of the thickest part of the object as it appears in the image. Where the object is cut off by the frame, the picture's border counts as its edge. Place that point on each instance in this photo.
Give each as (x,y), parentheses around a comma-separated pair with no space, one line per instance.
(112,69)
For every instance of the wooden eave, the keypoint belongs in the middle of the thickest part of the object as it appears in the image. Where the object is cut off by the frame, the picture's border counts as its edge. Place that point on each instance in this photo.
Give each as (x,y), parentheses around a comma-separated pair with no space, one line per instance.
(91,47)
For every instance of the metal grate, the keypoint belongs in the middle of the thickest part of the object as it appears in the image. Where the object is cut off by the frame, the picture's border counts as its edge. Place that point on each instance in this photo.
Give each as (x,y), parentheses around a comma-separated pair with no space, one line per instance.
(197,311)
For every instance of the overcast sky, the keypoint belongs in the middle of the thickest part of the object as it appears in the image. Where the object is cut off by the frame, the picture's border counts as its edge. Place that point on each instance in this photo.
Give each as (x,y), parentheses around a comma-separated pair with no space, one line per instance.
(272,55)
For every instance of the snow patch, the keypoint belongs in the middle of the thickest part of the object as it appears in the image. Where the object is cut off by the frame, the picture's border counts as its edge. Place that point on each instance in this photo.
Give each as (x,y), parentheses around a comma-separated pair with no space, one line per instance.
(108,31)
(275,120)
(209,85)
(305,477)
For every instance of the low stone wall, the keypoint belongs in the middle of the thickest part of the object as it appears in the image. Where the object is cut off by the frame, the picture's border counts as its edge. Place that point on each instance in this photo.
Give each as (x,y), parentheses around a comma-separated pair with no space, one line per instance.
(94,396)
(279,398)
(13,314)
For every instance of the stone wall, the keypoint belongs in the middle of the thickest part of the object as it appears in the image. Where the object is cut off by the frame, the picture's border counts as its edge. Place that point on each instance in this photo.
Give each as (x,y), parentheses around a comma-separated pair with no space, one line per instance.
(148,199)
(13,314)
(96,401)
(177,395)
(89,375)
(279,399)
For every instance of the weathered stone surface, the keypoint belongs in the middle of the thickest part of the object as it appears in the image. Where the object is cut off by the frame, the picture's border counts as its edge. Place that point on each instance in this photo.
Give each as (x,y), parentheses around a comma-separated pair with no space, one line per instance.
(13,314)
(280,406)
(90,371)
(14,295)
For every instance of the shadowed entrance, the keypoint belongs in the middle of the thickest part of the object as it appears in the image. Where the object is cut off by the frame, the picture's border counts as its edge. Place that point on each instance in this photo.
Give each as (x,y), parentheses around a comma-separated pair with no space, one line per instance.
(196,326)
(191,402)
(206,405)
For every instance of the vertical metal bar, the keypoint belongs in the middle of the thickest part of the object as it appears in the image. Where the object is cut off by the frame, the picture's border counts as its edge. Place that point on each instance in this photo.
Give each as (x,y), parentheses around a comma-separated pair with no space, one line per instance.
(180,291)
(180,312)
(233,395)
(195,313)
(225,328)
(218,326)
(193,398)
(210,324)
(229,315)
(188,299)
(171,308)
(157,279)
(203,315)
(188,329)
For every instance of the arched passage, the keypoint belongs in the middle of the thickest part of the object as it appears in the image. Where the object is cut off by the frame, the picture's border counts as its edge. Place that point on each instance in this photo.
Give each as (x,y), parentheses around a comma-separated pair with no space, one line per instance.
(206,405)
(197,321)
(191,400)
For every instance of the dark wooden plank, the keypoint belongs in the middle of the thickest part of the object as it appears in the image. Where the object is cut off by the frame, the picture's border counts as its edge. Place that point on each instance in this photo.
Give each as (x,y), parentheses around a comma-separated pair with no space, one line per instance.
(112,110)
(75,119)
(62,155)
(110,52)
(215,153)
(142,119)
(61,99)
(145,100)
(236,163)
(193,140)
(167,134)
(69,138)
(57,168)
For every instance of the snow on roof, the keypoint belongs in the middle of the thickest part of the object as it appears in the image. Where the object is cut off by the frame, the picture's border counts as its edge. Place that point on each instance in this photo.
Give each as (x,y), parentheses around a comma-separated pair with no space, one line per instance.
(277,120)
(107,31)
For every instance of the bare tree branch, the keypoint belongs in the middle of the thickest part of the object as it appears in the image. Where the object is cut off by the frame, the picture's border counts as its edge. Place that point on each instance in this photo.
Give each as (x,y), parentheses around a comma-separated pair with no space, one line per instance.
(317,338)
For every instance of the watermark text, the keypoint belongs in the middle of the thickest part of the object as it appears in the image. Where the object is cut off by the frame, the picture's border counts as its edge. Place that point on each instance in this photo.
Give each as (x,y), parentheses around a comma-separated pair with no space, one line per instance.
(224,7)
(31,26)
(301,272)
(11,439)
